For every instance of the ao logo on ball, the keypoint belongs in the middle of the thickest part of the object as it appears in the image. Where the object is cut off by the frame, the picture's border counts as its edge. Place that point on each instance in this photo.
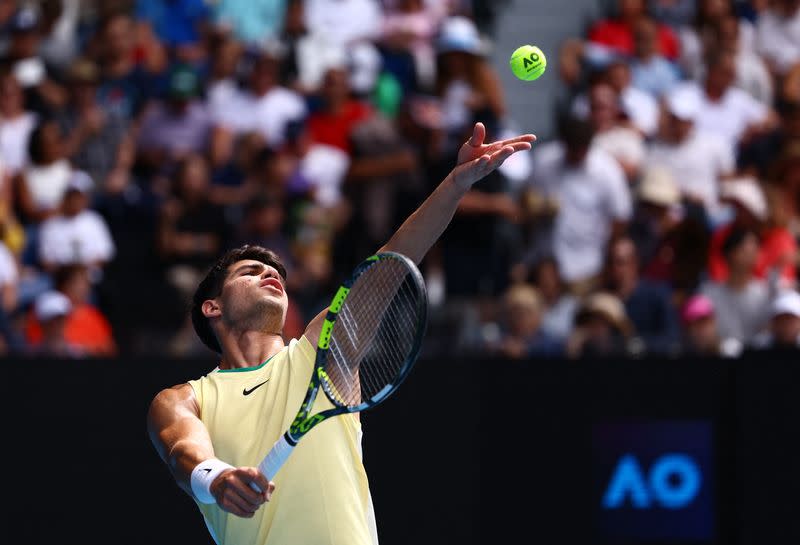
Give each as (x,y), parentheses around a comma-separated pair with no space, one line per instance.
(528,62)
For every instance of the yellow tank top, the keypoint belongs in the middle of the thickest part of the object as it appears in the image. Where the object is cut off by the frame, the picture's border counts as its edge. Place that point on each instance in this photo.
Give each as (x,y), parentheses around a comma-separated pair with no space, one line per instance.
(321,494)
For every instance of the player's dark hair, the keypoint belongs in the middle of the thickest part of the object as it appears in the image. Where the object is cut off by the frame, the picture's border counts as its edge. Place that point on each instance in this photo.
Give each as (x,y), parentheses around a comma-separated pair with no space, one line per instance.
(211,286)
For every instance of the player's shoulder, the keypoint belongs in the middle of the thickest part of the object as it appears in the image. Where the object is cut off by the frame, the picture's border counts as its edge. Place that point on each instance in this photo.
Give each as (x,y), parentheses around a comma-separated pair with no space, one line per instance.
(177,397)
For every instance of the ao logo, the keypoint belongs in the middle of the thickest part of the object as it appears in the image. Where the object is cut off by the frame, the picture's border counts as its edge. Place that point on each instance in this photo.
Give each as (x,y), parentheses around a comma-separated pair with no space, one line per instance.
(672,483)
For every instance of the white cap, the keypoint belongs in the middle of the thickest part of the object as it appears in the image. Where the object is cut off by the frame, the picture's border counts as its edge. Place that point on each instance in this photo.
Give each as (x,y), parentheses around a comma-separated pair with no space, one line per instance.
(365,66)
(684,102)
(51,304)
(459,33)
(658,187)
(80,181)
(788,302)
(747,193)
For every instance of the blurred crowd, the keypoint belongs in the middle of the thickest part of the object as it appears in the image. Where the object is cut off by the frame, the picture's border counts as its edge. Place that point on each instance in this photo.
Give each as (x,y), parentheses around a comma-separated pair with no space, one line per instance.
(140,139)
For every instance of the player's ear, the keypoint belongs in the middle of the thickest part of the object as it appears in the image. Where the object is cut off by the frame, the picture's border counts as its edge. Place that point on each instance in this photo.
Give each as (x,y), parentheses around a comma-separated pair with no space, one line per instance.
(211,308)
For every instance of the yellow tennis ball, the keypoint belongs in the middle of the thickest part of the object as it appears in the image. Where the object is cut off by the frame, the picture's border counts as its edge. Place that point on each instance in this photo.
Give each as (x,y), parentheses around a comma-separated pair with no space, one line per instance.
(528,62)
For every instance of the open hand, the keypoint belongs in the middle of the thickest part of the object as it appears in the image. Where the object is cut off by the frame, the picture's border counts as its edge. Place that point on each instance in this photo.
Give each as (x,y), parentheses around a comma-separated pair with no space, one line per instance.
(476,159)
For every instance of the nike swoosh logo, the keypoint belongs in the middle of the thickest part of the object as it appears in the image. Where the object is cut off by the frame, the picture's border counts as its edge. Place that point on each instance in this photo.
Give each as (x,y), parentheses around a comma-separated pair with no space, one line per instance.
(253,389)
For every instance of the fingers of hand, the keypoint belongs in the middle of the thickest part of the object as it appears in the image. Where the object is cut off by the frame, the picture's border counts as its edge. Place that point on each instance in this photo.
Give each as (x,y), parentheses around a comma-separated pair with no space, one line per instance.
(235,492)
(265,487)
(526,138)
(478,135)
(496,159)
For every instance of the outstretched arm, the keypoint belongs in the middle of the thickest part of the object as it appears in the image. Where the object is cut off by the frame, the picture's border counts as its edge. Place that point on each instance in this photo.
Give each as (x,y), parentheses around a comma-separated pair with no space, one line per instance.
(182,441)
(422,229)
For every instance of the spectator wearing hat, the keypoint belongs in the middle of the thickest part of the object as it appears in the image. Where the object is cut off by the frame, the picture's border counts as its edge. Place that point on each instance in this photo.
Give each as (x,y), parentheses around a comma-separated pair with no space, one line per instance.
(86,328)
(697,161)
(177,126)
(783,333)
(466,82)
(77,235)
(52,309)
(602,329)
(43,94)
(98,141)
(701,335)
(777,249)
(648,304)
(670,233)
(742,300)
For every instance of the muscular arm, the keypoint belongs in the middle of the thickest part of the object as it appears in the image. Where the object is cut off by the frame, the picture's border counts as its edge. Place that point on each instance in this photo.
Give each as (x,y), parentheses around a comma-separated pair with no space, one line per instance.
(424,227)
(182,441)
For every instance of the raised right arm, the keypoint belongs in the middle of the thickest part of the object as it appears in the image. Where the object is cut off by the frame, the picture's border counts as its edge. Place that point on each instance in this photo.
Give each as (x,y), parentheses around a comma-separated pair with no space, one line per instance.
(183,442)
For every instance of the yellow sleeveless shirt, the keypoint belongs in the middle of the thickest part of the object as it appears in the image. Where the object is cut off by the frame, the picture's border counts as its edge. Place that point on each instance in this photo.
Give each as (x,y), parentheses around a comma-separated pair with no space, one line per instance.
(321,494)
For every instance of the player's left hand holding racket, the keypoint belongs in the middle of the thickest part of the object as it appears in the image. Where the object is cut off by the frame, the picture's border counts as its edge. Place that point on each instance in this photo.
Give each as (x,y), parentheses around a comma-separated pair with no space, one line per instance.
(369,341)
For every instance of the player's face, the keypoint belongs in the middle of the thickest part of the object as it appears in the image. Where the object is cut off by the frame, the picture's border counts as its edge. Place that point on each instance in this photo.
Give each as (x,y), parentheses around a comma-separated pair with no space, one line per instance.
(254,297)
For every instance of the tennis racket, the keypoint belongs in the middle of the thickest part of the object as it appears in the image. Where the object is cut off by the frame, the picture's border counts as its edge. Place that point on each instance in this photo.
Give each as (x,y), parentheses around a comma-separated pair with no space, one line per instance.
(369,342)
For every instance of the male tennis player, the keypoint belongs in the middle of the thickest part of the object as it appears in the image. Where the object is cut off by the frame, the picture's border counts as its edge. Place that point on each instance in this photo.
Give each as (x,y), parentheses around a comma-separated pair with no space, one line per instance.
(213,432)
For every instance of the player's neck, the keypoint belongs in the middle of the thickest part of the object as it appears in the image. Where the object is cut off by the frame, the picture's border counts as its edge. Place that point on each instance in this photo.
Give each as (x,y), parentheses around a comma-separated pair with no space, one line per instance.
(249,348)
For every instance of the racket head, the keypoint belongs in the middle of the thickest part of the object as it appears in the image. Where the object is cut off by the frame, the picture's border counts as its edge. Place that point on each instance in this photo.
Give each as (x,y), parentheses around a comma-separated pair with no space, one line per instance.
(373,332)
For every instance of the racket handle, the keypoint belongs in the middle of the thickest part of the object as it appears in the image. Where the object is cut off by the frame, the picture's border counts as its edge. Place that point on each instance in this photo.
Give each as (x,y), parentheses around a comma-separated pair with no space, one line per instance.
(273,461)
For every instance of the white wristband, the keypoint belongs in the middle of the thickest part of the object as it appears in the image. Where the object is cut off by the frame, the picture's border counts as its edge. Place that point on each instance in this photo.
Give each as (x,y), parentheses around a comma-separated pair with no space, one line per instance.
(203,475)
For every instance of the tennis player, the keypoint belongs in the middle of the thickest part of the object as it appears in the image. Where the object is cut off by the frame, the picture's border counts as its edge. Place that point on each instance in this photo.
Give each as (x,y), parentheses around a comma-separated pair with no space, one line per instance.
(213,432)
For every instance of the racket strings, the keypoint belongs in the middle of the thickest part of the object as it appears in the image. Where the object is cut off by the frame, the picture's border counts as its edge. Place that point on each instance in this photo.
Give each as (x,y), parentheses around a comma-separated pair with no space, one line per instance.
(373,334)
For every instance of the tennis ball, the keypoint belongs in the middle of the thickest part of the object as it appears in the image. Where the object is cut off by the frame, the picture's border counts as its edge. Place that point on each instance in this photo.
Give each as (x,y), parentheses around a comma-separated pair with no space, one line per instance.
(528,62)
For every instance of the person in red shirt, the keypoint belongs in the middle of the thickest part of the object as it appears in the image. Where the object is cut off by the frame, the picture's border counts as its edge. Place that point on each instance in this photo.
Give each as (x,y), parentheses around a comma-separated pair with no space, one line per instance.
(86,328)
(777,249)
(340,112)
(617,34)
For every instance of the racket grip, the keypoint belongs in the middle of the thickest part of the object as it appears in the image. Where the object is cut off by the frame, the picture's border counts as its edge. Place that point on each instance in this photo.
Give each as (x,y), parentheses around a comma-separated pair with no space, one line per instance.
(276,457)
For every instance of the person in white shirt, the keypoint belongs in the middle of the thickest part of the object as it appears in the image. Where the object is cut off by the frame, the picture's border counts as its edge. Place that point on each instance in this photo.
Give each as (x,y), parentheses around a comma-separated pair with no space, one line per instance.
(265,107)
(16,124)
(77,234)
(344,22)
(695,159)
(778,35)
(726,110)
(593,199)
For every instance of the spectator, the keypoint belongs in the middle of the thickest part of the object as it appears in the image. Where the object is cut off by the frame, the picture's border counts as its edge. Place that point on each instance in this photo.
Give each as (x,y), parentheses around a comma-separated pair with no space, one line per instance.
(52,309)
(9,277)
(617,34)
(778,35)
(742,301)
(43,94)
(611,134)
(752,74)
(125,83)
(593,197)
(521,335)
(763,157)
(650,71)
(559,305)
(410,26)
(701,330)
(41,185)
(777,249)
(177,127)
(177,24)
(60,41)
(98,142)
(77,235)
(340,113)
(639,107)
(648,305)
(466,82)
(264,107)
(697,161)
(601,328)
(726,110)
(783,334)
(86,328)
(16,124)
